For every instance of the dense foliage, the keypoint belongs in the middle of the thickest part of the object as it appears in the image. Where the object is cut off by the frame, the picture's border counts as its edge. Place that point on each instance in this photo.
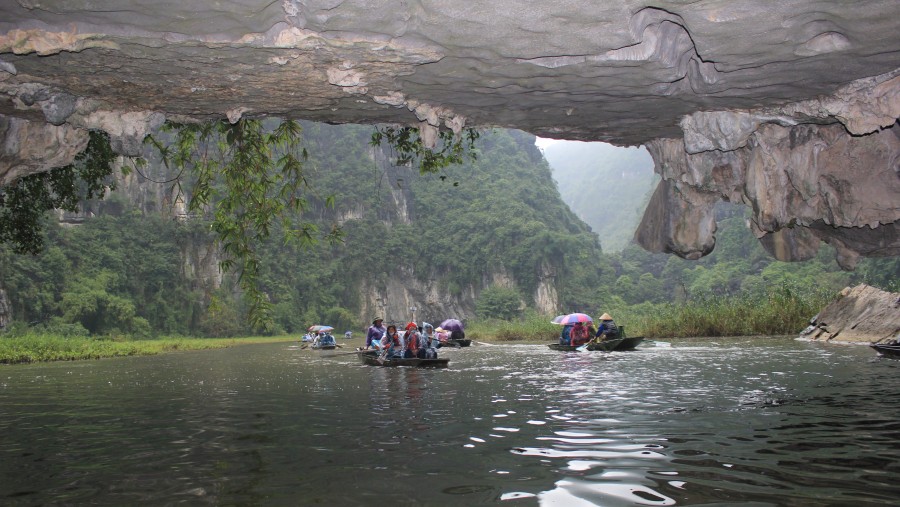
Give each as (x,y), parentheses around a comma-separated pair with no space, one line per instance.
(127,273)
(25,202)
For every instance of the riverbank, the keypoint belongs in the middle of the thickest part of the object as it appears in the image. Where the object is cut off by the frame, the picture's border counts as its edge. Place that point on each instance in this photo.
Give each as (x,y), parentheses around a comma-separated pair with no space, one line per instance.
(34,347)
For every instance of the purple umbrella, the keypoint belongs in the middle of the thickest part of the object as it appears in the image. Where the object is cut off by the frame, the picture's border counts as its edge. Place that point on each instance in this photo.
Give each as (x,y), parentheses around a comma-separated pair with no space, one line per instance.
(451,325)
(572,318)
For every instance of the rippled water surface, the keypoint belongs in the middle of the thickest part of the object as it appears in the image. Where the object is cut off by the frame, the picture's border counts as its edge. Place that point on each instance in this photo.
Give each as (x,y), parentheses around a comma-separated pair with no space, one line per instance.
(733,422)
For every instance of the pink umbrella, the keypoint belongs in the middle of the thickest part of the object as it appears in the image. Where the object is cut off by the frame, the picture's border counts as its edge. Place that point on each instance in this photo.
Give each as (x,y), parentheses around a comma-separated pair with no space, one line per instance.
(572,318)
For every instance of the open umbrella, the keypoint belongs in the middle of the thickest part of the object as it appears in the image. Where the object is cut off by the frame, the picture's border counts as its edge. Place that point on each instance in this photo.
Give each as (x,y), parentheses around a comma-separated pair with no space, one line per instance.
(317,328)
(572,318)
(452,325)
(557,319)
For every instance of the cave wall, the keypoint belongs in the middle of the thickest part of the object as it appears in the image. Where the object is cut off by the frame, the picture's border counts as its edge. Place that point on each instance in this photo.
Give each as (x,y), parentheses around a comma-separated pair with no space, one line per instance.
(825,170)
(741,100)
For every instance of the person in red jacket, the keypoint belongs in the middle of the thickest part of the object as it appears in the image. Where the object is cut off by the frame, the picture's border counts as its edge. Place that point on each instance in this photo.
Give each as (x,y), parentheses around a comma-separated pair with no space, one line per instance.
(415,346)
(579,334)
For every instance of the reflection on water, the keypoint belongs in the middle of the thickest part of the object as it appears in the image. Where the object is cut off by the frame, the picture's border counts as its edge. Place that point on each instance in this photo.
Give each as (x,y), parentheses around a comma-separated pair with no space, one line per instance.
(716,423)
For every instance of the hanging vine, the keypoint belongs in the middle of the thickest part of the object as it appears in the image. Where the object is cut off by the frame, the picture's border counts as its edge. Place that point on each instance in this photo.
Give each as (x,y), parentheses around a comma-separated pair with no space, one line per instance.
(411,150)
(247,180)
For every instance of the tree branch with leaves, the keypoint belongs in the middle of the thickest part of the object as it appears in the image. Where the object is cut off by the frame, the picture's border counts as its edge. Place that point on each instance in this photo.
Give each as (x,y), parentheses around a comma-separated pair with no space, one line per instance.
(248,180)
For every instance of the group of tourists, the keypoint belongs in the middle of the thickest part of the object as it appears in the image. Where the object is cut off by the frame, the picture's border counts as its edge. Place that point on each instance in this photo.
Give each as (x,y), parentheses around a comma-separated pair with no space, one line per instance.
(319,339)
(583,332)
(413,341)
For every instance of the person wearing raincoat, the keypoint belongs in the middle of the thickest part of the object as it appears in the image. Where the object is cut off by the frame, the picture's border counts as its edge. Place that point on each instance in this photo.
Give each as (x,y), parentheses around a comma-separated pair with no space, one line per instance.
(415,346)
(579,335)
(431,341)
(392,343)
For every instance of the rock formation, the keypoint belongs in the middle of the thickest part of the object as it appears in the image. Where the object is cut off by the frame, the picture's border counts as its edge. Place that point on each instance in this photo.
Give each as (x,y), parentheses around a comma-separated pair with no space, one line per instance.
(861,314)
(788,107)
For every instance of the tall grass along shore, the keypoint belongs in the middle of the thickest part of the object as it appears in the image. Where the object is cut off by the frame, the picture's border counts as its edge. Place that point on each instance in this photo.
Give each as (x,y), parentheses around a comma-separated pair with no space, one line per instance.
(34,347)
(780,311)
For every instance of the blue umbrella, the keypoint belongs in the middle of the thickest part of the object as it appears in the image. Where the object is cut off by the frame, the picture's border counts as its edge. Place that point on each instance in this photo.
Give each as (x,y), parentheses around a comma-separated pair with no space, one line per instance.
(451,325)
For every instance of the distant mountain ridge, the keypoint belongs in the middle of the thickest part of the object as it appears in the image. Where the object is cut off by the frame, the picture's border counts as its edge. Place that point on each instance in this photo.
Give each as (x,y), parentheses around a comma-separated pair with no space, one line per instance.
(606,186)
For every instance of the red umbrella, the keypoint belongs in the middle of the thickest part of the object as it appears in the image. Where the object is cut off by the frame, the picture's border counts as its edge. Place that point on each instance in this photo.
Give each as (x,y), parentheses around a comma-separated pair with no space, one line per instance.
(572,318)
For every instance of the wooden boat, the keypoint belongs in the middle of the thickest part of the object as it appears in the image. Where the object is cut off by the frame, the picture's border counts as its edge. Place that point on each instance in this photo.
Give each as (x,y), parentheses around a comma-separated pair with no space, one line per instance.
(368,358)
(629,343)
(323,347)
(887,349)
(604,346)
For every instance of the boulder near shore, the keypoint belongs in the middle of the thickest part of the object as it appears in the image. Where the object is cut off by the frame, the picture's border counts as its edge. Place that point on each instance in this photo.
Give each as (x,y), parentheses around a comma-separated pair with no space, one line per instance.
(861,314)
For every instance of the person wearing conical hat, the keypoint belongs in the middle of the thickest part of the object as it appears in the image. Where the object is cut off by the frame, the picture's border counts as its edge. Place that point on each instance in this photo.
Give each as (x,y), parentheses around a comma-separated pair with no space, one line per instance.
(607,328)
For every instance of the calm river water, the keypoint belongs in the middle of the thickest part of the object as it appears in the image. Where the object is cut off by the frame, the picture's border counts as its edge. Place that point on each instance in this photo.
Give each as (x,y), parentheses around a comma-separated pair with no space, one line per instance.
(733,422)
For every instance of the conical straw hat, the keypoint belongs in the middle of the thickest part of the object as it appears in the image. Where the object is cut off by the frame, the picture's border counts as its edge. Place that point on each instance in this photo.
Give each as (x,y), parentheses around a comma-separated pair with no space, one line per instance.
(605,316)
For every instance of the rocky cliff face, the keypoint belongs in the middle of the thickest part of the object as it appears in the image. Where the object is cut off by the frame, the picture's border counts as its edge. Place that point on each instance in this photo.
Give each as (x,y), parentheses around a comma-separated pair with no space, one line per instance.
(862,314)
(754,101)
(825,170)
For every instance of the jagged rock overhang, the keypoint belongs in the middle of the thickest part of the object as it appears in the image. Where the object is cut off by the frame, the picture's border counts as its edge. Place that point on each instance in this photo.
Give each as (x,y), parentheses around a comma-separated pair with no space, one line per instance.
(703,82)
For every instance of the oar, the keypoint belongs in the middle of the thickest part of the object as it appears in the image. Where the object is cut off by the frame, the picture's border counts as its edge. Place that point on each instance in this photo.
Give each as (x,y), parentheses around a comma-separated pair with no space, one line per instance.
(584,347)
(304,346)
(338,345)
(345,354)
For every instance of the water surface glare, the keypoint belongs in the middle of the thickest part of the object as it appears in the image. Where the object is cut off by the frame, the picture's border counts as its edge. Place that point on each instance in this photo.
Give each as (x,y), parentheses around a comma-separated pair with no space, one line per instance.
(728,422)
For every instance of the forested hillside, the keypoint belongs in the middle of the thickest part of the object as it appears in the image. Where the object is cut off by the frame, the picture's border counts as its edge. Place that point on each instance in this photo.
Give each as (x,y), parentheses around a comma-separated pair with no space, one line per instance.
(435,241)
(738,265)
(606,186)
(485,239)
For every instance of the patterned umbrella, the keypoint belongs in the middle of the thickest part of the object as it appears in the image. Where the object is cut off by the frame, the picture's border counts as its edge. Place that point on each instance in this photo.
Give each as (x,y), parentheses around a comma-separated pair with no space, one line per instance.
(452,325)
(557,319)
(572,318)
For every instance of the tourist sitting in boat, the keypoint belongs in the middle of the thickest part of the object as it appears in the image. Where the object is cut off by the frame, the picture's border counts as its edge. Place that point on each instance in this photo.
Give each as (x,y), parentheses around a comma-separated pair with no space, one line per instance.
(607,328)
(375,332)
(564,338)
(325,339)
(430,338)
(415,346)
(442,335)
(579,335)
(392,343)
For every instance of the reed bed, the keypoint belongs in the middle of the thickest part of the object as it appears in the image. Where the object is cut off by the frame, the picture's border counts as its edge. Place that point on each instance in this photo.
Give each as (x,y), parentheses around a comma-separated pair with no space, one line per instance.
(781,310)
(38,347)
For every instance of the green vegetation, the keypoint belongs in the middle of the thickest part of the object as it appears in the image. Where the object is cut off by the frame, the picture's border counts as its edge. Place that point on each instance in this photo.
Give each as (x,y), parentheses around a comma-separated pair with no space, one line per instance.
(532,327)
(248,178)
(24,203)
(126,274)
(35,347)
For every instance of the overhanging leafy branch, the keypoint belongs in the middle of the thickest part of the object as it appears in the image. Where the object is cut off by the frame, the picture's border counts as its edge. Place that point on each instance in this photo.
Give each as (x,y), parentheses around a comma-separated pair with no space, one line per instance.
(410,149)
(249,180)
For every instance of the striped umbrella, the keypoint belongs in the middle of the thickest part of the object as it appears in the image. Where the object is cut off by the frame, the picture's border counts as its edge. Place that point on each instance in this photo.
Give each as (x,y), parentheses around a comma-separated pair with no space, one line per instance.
(572,318)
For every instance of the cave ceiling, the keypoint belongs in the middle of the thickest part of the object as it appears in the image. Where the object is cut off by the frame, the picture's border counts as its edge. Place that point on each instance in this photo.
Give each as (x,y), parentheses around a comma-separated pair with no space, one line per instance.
(749,91)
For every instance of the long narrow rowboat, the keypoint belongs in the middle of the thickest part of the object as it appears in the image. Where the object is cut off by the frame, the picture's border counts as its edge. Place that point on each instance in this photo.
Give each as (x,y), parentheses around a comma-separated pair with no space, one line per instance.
(604,346)
(366,357)
(629,343)
(887,350)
